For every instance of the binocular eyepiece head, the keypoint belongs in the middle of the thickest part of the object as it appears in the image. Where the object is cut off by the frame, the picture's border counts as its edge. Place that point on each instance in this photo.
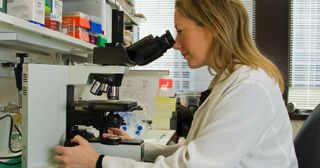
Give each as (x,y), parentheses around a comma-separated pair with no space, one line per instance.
(149,48)
(142,52)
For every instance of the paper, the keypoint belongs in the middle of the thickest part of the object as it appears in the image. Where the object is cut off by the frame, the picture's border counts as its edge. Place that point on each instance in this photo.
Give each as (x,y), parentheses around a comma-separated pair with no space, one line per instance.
(164,107)
(142,86)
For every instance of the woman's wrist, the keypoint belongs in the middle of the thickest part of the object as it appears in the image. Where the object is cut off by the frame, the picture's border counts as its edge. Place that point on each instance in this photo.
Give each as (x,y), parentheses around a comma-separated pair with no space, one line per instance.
(99,161)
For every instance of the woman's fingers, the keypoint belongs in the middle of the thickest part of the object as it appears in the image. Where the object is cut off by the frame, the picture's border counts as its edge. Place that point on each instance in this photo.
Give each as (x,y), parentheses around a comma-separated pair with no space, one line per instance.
(79,140)
(107,135)
(81,156)
(114,131)
(60,150)
(61,156)
(58,158)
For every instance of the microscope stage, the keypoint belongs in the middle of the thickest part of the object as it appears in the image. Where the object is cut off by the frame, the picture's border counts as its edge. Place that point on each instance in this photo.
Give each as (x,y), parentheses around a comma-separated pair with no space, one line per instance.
(107,105)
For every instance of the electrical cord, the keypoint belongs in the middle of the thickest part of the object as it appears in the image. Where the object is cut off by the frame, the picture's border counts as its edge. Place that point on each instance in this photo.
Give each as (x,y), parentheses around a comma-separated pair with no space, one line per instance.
(16,127)
(9,144)
(10,132)
(10,157)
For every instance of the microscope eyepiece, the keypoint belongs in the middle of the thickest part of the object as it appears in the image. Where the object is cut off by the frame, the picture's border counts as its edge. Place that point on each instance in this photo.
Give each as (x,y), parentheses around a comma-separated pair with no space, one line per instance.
(142,52)
(167,41)
(149,48)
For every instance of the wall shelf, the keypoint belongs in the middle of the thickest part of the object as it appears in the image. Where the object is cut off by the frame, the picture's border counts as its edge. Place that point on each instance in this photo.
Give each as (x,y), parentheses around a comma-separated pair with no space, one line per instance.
(20,34)
(117,5)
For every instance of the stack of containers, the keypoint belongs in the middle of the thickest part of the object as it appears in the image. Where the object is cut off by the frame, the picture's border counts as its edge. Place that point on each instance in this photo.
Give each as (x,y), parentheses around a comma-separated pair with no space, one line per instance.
(30,10)
(95,29)
(53,11)
(76,24)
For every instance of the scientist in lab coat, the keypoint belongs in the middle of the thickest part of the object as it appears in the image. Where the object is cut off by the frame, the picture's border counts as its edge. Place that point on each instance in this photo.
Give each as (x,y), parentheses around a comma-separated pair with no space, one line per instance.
(243,123)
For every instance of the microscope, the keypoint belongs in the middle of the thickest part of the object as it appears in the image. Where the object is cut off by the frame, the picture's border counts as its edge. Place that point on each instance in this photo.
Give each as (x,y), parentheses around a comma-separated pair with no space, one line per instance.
(52,115)
(101,114)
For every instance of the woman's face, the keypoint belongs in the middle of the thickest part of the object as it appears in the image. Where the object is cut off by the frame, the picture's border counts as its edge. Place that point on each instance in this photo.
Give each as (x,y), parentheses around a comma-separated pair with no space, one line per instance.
(193,41)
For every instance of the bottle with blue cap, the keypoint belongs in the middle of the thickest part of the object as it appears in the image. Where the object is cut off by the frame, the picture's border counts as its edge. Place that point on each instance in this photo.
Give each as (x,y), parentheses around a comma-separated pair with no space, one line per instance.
(138,131)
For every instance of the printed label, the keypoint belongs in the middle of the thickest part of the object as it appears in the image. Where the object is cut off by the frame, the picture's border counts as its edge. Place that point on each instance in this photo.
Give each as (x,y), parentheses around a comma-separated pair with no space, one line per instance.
(56,13)
(39,11)
(165,83)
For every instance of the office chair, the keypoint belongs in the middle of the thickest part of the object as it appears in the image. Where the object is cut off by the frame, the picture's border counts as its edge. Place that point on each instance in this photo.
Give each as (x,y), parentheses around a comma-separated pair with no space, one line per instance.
(307,141)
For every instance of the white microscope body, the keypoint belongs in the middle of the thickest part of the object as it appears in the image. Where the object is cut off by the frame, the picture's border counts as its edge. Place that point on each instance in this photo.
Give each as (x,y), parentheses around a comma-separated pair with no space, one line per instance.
(44,104)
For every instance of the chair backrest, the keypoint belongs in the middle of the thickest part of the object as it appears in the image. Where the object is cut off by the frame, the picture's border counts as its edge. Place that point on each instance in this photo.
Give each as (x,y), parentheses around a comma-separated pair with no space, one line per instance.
(307,141)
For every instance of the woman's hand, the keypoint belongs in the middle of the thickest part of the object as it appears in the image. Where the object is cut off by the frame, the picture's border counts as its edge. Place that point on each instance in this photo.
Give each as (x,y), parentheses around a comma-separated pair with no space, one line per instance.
(116,132)
(81,156)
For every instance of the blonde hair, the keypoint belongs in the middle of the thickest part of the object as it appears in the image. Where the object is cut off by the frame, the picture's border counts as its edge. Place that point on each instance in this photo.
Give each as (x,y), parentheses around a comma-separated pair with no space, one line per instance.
(228,21)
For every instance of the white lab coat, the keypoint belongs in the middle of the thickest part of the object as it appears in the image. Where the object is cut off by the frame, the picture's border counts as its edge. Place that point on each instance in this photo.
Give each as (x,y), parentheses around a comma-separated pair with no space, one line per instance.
(242,124)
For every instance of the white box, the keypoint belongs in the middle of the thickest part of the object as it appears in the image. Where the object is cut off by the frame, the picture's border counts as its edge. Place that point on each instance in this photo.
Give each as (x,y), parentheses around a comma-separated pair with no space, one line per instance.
(30,10)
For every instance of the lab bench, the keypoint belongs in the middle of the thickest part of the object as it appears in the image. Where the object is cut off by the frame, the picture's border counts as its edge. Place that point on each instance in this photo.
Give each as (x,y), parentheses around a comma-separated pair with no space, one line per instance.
(163,137)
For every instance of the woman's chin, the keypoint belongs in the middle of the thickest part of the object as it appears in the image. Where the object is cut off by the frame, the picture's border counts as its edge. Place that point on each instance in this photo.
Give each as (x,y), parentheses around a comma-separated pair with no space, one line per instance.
(194,65)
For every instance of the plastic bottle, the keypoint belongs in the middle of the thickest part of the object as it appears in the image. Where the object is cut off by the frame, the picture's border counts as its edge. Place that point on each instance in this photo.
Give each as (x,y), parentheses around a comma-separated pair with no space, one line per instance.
(53,14)
(128,127)
(143,120)
(138,131)
(135,125)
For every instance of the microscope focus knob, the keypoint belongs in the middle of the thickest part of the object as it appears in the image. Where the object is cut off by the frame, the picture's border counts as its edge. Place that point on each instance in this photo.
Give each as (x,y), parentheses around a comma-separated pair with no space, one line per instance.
(113,140)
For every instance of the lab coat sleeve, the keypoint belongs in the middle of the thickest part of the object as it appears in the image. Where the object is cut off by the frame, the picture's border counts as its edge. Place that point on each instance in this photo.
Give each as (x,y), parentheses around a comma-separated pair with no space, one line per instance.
(232,128)
(118,162)
(152,151)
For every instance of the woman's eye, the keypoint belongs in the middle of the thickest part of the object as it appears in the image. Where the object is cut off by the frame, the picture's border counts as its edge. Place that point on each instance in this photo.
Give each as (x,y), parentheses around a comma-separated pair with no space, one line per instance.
(179,31)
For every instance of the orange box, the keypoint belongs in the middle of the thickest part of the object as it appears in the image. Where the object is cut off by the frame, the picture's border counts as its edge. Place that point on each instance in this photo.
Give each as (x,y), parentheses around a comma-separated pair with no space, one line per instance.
(77,32)
(77,19)
(82,35)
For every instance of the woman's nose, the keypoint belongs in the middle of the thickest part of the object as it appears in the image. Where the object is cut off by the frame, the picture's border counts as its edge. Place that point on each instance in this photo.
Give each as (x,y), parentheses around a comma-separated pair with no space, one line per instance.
(176,45)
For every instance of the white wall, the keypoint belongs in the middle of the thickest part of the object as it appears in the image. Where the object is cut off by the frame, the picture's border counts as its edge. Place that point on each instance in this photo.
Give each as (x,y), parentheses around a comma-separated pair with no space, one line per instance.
(8,90)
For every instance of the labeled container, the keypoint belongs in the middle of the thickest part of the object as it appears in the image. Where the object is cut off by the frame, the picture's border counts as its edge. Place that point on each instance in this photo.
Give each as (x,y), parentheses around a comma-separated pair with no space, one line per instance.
(77,32)
(3,6)
(101,41)
(30,10)
(95,25)
(93,38)
(76,19)
(47,7)
(53,10)
(76,24)
(95,29)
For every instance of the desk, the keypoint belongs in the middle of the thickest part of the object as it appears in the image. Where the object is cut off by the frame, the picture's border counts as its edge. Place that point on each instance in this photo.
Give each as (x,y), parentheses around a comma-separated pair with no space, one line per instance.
(159,136)
(299,116)
(297,120)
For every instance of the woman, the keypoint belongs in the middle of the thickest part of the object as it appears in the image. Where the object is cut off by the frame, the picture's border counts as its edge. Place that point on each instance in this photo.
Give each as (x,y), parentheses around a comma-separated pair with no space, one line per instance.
(242,123)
